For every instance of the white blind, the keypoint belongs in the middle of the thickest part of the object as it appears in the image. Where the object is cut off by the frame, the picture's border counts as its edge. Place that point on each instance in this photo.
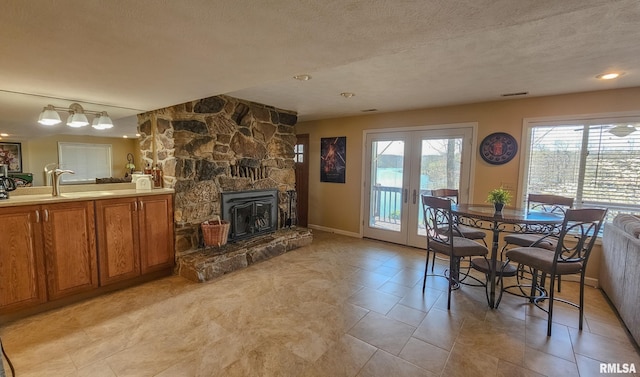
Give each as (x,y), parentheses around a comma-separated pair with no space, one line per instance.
(88,161)
(586,162)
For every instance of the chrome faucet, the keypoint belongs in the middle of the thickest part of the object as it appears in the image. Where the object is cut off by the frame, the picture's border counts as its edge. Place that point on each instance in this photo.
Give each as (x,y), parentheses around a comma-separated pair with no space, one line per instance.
(56,180)
(48,170)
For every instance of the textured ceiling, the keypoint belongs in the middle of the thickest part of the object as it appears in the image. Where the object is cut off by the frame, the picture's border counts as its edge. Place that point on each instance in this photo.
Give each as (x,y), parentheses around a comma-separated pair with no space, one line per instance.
(132,56)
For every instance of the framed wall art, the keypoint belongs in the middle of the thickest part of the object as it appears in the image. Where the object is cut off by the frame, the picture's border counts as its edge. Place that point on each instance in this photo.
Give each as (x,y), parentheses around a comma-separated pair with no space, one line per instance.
(11,155)
(333,159)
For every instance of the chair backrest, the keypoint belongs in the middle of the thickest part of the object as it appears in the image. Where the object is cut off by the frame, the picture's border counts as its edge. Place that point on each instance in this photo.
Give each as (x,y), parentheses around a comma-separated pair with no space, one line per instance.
(445,193)
(578,235)
(549,203)
(438,219)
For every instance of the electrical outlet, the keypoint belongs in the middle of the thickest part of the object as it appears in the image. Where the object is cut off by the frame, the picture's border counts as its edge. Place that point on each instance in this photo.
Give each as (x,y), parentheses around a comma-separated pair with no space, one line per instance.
(508,186)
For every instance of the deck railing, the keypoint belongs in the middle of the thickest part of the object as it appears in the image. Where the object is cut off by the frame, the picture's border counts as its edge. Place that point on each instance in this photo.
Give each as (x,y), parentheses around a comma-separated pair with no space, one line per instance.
(387,203)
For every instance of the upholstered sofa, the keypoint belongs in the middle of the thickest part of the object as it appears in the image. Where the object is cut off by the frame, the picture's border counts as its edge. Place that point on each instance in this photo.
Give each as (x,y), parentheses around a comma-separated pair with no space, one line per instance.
(620,269)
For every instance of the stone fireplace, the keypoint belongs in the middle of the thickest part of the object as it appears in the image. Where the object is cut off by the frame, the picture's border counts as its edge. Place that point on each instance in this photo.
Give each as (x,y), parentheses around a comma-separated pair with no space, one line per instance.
(215,146)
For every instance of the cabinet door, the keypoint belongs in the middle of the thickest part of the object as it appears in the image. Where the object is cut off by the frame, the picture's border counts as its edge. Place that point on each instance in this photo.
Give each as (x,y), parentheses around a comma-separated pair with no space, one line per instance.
(22,275)
(155,214)
(117,225)
(70,248)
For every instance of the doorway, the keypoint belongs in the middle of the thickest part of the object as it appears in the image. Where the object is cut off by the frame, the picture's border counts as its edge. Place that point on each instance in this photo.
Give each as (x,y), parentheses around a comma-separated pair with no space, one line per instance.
(301,157)
(400,166)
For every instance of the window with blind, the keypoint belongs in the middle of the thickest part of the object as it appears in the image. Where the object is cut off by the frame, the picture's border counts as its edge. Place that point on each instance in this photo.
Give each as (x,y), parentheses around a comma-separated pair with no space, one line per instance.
(87,161)
(595,161)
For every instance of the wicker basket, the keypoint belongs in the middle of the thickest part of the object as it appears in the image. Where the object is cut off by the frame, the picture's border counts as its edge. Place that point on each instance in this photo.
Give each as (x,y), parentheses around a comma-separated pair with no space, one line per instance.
(215,232)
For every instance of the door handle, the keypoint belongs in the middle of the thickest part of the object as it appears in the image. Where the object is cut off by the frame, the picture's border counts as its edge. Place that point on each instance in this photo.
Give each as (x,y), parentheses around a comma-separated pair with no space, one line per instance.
(406,194)
(414,196)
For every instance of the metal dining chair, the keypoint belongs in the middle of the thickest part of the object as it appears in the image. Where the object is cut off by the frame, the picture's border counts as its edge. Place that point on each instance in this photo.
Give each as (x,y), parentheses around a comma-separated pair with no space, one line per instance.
(573,247)
(463,230)
(442,238)
(460,229)
(539,202)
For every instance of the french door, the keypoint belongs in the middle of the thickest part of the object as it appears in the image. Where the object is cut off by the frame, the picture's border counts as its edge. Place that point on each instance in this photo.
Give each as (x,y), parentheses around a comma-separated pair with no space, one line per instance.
(400,166)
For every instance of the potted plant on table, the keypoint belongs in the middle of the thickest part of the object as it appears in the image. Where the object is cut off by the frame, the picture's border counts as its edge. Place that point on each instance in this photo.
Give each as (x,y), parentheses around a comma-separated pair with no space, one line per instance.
(499,197)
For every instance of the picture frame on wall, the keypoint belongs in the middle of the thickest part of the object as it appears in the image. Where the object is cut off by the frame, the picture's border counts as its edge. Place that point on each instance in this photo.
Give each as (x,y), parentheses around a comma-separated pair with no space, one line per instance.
(333,159)
(11,155)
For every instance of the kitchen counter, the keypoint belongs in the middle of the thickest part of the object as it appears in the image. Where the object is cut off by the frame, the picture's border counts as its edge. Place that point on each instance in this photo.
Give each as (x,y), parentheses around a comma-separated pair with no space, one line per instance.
(90,240)
(42,195)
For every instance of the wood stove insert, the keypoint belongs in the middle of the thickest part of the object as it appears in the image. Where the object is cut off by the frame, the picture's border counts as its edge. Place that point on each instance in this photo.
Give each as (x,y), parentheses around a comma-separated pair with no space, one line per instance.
(251,213)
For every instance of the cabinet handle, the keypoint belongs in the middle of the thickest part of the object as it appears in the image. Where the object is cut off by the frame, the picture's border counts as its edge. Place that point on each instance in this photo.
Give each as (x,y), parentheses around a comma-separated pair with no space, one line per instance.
(135,206)
(37,216)
(141,206)
(46,215)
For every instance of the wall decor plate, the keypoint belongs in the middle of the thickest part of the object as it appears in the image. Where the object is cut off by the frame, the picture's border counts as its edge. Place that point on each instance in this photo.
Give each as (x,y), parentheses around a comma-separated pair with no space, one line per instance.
(498,148)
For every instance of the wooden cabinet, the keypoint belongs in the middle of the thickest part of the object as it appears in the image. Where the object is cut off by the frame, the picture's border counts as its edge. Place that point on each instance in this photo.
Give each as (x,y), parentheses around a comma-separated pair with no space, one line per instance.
(69,248)
(135,236)
(117,228)
(46,252)
(22,278)
(155,219)
(74,248)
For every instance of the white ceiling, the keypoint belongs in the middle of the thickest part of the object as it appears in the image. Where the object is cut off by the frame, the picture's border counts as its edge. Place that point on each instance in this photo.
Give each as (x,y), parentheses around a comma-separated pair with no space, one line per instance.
(127,57)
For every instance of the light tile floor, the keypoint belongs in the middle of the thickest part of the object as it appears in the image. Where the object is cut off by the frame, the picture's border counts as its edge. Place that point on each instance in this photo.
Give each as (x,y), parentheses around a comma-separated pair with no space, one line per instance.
(339,307)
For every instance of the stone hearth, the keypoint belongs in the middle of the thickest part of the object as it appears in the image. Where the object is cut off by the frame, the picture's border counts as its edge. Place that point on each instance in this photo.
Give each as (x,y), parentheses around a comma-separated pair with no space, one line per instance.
(209,263)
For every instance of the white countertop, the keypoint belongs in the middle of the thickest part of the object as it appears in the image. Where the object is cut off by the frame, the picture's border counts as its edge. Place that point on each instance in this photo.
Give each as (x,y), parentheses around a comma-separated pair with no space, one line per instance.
(36,195)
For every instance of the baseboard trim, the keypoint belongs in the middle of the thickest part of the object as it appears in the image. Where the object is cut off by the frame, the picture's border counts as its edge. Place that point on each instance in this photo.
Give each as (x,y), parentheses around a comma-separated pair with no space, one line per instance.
(592,282)
(336,231)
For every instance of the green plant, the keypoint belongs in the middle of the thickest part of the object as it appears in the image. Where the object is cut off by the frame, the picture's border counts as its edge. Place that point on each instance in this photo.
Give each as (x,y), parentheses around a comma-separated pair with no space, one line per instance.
(499,195)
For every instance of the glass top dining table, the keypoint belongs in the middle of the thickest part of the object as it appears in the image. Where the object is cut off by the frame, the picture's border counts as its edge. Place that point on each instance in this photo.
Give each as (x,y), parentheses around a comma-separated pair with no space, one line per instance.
(509,220)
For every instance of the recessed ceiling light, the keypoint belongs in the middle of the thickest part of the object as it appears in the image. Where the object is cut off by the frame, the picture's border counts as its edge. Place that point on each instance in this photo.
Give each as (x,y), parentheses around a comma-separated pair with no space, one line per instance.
(4,134)
(125,136)
(137,135)
(514,94)
(347,94)
(302,77)
(609,76)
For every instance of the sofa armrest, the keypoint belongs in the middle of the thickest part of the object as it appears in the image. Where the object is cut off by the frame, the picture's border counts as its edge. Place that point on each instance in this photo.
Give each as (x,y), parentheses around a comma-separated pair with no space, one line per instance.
(628,223)
(615,242)
(619,269)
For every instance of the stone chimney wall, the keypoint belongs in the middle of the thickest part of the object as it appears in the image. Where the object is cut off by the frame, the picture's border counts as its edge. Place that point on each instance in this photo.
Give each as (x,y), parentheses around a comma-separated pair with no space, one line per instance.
(214,145)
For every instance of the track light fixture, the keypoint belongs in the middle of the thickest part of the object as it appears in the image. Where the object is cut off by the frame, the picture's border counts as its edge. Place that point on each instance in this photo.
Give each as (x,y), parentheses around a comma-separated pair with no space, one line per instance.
(77,118)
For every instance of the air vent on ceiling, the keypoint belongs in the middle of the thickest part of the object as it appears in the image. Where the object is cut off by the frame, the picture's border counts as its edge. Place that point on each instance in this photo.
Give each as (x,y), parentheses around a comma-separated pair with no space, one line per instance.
(369,110)
(514,94)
